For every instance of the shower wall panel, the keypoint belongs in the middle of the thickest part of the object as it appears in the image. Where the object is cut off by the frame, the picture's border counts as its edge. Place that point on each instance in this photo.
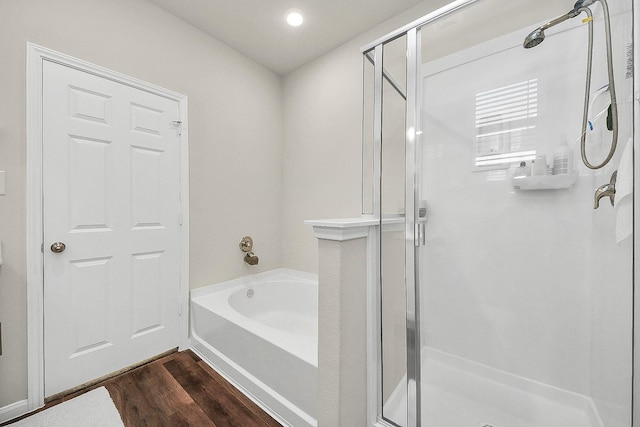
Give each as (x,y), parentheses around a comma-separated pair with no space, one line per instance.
(612,269)
(531,283)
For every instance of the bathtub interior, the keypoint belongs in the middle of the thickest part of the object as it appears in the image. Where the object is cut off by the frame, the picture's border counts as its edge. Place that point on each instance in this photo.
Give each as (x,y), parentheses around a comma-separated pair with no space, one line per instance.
(283,309)
(260,332)
(283,304)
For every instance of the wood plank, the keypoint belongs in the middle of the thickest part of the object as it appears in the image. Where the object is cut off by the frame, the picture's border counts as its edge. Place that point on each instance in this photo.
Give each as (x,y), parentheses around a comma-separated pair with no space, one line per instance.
(223,408)
(150,396)
(178,390)
(228,388)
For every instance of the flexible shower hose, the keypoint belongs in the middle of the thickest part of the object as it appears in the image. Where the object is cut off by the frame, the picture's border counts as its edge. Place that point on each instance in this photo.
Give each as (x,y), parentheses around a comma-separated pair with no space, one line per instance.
(612,89)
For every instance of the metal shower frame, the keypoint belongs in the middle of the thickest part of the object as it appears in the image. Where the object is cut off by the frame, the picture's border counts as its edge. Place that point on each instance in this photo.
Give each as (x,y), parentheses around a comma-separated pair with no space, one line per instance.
(374,53)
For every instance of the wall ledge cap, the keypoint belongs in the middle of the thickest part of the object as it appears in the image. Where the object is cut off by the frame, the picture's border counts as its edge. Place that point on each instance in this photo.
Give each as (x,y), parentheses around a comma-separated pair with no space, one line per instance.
(342,229)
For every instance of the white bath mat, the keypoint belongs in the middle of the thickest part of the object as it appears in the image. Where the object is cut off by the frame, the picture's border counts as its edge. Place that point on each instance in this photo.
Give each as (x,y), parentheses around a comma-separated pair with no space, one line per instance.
(92,409)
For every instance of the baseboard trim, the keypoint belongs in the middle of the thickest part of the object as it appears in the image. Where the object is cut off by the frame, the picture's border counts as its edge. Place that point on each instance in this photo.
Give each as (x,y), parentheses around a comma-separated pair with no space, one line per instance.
(14,410)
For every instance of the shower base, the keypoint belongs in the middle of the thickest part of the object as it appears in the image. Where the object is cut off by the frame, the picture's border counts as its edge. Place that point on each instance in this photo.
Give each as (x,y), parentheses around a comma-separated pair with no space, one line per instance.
(456,392)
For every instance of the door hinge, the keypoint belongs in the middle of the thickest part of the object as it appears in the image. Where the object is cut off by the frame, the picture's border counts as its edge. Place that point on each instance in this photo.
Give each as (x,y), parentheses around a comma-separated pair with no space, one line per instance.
(178,125)
(419,235)
(180,219)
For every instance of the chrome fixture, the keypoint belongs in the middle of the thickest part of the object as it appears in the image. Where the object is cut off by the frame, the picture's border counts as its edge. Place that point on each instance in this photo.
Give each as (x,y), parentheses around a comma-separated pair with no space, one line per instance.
(606,190)
(537,36)
(58,247)
(251,259)
(246,245)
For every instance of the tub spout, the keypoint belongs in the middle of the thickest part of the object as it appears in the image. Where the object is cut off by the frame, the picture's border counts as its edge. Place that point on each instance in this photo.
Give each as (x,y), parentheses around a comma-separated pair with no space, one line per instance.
(251,259)
(606,190)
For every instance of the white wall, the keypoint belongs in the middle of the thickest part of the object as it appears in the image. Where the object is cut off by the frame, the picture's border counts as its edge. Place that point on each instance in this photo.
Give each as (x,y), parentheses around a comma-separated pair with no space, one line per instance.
(235,109)
(322,146)
(321,156)
(342,347)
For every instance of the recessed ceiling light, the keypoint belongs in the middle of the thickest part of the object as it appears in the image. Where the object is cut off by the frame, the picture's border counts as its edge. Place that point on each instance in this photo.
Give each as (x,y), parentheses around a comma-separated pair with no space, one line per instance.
(294,17)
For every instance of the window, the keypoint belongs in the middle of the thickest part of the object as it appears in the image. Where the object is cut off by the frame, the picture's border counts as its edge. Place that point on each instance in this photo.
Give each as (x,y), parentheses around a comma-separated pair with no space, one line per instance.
(505,121)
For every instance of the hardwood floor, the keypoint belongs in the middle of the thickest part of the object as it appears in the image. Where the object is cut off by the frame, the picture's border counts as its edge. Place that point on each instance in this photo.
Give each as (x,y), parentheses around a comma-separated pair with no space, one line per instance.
(179,390)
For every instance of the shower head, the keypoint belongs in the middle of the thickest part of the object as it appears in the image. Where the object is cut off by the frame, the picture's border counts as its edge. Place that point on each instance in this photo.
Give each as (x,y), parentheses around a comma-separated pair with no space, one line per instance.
(537,36)
(580,4)
(534,38)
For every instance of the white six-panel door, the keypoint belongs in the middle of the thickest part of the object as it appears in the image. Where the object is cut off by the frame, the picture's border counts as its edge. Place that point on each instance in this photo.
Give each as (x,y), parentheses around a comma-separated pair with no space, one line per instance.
(111,183)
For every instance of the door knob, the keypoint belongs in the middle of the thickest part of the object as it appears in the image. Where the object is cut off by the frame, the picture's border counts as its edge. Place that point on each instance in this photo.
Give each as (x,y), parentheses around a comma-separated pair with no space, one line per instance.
(58,247)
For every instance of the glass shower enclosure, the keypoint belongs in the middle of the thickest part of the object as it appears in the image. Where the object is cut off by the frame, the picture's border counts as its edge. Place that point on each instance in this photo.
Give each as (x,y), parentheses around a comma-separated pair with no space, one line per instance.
(501,168)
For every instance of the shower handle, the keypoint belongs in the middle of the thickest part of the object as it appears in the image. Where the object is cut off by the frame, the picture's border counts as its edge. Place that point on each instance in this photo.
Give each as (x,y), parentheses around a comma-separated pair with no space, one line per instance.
(246,244)
(606,190)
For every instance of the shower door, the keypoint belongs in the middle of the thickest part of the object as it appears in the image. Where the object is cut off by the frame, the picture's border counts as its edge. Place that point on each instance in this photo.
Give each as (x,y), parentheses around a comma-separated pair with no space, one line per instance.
(525,288)
(518,290)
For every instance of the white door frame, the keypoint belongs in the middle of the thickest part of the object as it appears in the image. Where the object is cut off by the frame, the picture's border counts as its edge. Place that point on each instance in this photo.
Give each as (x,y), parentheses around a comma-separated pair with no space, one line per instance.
(34,244)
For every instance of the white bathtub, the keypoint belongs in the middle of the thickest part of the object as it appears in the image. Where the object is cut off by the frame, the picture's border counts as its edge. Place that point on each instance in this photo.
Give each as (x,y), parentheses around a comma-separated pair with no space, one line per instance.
(261,333)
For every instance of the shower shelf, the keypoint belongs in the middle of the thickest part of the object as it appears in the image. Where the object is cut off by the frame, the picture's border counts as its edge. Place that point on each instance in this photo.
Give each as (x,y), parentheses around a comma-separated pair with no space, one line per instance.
(544,182)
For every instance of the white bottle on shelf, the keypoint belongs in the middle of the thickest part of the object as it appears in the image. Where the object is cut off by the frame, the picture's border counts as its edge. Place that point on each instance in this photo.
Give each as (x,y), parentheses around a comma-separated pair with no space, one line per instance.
(563,159)
(539,166)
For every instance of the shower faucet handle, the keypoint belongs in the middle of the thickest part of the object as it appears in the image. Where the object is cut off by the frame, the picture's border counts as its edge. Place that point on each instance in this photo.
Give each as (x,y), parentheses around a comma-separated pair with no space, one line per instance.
(606,190)
(246,244)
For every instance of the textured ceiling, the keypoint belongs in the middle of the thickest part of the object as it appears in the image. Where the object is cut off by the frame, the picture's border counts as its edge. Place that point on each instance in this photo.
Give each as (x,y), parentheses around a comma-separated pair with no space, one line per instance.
(257,28)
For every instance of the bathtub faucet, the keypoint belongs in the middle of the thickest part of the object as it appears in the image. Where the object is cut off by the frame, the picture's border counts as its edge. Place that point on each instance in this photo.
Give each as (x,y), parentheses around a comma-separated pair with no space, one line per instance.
(246,245)
(251,259)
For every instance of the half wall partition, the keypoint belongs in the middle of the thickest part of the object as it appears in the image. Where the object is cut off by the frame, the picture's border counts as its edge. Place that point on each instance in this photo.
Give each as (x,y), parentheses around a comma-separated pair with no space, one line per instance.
(504,280)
